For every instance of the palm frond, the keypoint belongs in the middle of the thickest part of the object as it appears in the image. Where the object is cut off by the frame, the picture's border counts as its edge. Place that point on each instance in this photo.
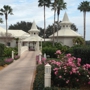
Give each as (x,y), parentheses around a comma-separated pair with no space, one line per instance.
(1,21)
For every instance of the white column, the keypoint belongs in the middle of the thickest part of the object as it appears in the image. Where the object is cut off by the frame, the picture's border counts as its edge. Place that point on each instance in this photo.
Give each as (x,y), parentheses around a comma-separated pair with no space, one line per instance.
(12,54)
(37,46)
(47,78)
(19,48)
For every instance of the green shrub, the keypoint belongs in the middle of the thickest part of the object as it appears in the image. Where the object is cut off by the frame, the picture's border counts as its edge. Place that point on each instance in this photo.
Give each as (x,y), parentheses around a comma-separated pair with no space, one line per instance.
(47,88)
(49,51)
(69,89)
(50,88)
(83,52)
(48,44)
(39,79)
(8,51)
(15,50)
(2,63)
(2,46)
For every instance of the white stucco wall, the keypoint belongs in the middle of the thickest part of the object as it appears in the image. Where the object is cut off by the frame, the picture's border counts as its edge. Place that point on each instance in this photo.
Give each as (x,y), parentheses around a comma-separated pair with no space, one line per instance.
(1,41)
(68,41)
(12,43)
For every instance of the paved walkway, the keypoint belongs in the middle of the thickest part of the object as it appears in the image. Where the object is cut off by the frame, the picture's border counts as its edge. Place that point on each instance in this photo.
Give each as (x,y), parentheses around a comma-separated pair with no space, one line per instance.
(18,75)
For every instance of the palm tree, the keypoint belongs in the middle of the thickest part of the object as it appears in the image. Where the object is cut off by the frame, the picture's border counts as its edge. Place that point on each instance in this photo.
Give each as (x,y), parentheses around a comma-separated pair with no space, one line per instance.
(5,11)
(84,7)
(45,3)
(60,6)
(54,8)
(1,21)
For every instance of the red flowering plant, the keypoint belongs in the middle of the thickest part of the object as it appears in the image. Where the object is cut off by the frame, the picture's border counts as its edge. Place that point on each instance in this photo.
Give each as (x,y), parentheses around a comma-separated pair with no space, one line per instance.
(68,72)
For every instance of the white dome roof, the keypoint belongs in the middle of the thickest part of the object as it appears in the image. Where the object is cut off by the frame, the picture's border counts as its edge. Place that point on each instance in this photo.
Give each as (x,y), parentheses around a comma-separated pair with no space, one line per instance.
(65,30)
(66,33)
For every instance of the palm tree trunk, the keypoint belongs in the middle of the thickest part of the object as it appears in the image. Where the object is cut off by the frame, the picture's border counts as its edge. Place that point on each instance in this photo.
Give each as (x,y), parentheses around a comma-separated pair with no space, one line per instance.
(6,32)
(54,26)
(84,24)
(44,24)
(57,26)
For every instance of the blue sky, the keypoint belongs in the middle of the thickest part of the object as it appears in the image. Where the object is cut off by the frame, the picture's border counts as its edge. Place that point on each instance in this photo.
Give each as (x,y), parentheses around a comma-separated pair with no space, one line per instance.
(28,10)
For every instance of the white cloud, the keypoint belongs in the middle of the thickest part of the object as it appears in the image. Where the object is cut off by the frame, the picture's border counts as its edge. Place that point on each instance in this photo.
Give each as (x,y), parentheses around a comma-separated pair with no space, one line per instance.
(28,10)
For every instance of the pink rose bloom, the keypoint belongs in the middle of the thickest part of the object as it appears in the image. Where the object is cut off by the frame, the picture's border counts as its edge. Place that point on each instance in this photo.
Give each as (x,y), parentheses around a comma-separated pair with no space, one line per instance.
(89,82)
(68,55)
(39,62)
(70,59)
(43,59)
(79,59)
(74,70)
(67,81)
(58,52)
(56,72)
(77,80)
(70,73)
(78,64)
(60,76)
(58,63)
(55,69)
(74,58)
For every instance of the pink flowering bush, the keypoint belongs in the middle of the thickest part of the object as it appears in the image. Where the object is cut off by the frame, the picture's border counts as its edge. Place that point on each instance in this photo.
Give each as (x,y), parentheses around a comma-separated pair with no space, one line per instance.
(68,72)
(43,60)
(8,60)
(16,57)
(58,52)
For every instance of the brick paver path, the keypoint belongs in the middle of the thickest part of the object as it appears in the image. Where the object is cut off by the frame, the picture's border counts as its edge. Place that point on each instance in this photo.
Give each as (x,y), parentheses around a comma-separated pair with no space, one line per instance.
(18,75)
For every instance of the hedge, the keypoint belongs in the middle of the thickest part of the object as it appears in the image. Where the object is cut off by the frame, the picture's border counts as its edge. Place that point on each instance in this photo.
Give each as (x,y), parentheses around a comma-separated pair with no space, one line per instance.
(82,52)
(49,51)
(50,88)
(39,79)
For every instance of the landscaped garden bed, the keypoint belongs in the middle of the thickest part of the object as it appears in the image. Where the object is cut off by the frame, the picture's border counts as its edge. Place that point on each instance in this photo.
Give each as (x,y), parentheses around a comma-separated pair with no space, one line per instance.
(67,73)
(5,56)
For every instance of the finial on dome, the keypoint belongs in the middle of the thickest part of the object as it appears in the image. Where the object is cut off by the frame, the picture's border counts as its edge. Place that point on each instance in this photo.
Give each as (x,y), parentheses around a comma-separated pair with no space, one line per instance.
(65,18)
(34,25)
